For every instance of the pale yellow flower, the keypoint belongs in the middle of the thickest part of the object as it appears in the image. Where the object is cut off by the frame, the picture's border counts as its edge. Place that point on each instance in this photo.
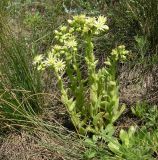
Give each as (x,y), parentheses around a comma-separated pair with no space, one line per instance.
(51,59)
(59,65)
(71,43)
(57,48)
(80,18)
(38,59)
(89,24)
(63,28)
(100,23)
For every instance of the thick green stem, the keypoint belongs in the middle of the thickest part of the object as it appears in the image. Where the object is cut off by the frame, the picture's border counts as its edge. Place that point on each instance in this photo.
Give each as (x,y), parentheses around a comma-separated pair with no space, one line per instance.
(80,88)
(92,76)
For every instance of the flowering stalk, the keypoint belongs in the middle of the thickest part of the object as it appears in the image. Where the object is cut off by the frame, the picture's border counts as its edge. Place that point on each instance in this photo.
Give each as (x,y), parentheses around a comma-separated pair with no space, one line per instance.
(92,101)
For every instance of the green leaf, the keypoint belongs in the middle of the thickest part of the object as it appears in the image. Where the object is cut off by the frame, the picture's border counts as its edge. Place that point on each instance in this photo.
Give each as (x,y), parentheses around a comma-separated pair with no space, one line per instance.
(124,137)
(90,154)
(115,146)
(118,113)
(72,106)
(98,118)
(107,133)
(131,131)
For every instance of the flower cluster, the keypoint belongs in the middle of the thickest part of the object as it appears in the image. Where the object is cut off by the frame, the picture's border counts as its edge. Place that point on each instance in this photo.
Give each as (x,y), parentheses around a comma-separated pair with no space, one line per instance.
(67,40)
(38,59)
(51,61)
(89,24)
(119,53)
